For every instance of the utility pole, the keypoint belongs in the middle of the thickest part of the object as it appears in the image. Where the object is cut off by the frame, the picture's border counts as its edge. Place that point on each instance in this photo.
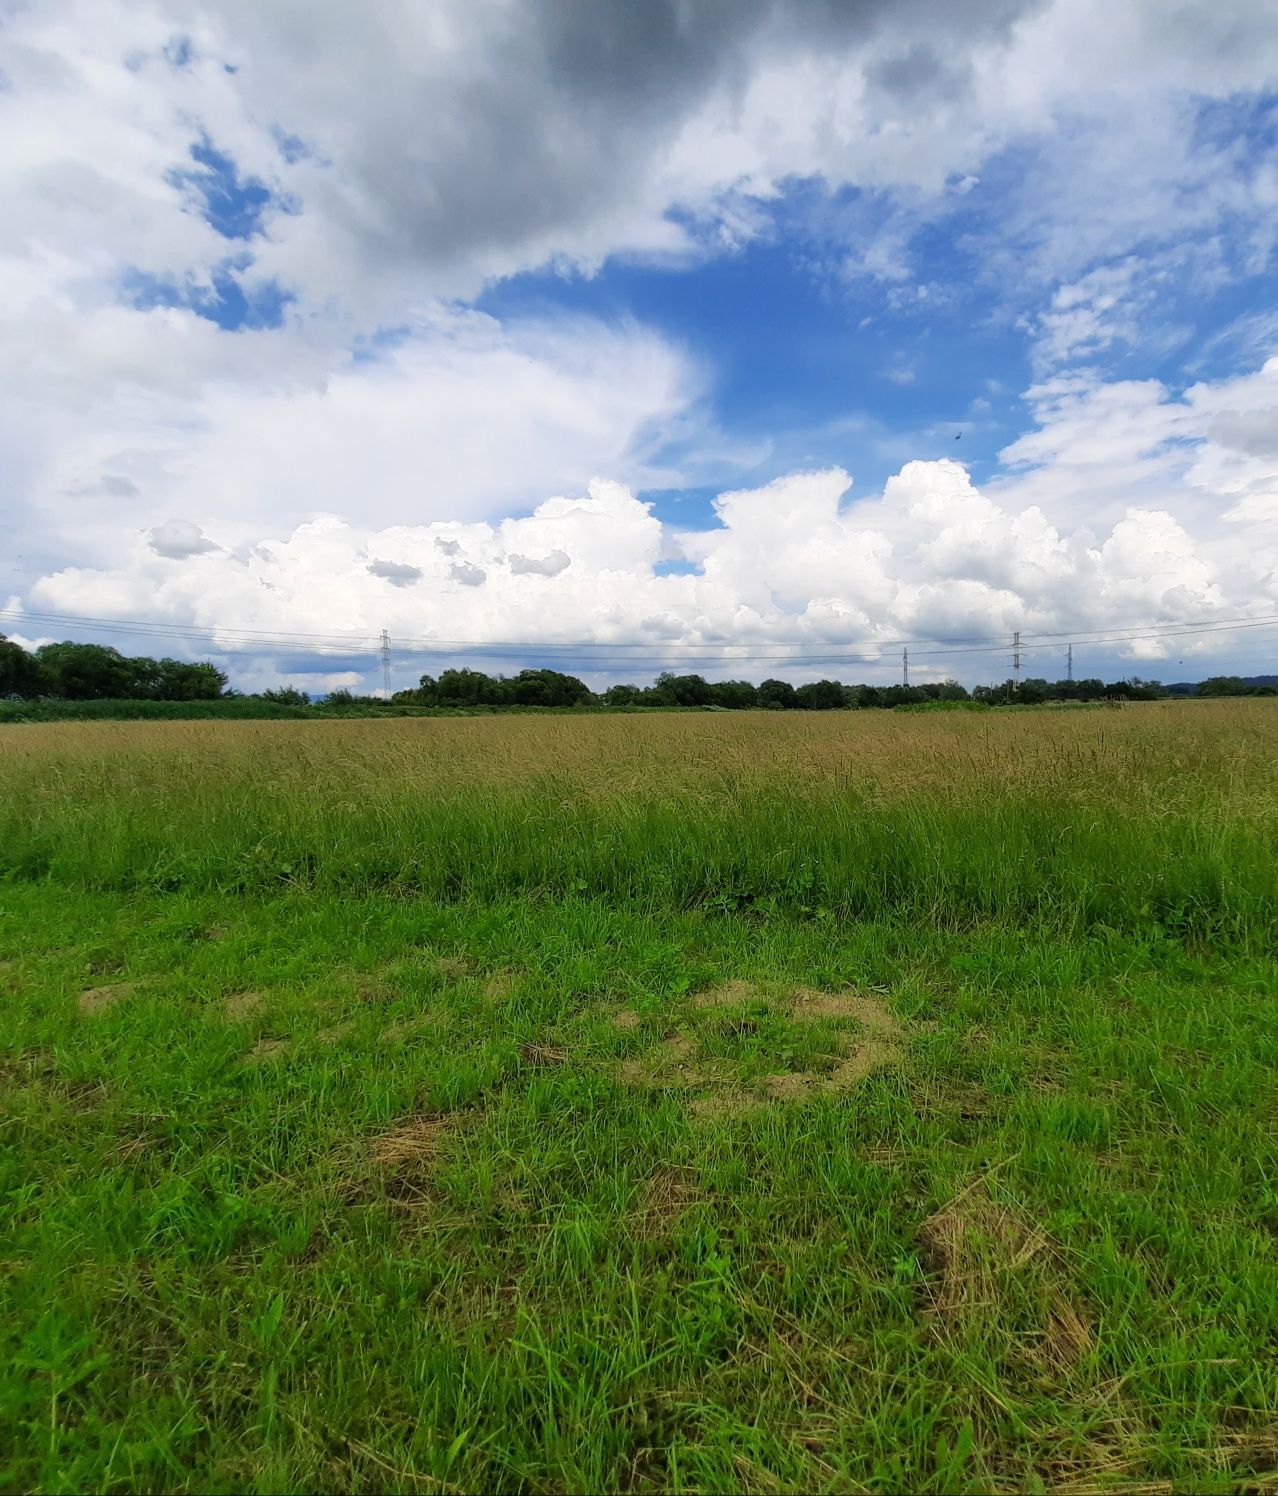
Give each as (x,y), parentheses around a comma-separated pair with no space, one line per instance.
(385,665)
(1016,660)
(1069,663)
(905,666)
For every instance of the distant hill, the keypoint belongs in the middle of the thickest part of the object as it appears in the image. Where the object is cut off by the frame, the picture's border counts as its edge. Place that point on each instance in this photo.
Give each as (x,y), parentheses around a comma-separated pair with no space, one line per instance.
(1190,687)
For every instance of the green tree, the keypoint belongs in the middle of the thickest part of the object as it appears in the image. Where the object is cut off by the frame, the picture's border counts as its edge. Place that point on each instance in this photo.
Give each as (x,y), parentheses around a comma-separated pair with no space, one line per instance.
(21,673)
(737,695)
(1135,689)
(776,695)
(820,696)
(466,687)
(185,680)
(548,688)
(683,690)
(91,672)
(903,695)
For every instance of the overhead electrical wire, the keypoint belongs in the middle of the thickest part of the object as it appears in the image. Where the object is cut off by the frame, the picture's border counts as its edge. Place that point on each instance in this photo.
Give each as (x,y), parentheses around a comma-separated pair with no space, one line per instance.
(599,654)
(355,639)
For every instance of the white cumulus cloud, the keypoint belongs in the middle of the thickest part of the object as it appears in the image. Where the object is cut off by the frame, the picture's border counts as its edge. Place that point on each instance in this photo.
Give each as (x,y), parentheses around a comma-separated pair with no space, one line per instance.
(793,565)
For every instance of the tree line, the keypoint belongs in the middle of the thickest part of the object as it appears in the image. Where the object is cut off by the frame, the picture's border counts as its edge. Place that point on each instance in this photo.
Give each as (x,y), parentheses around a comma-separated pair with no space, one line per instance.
(96,672)
(473,688)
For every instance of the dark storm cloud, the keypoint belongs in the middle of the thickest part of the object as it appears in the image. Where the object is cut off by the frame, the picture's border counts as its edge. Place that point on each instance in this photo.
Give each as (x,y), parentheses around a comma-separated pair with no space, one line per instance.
(546,118)
(920,71)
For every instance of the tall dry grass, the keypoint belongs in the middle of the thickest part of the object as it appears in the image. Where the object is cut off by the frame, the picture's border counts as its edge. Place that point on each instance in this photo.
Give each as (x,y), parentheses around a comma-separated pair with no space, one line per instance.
(1162,814)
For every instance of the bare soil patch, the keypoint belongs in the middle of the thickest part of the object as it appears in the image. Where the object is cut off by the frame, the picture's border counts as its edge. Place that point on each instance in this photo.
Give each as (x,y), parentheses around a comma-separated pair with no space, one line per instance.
(870,1055)
(241,1006)
(790,1085)
(733,994)
(627,1021)
(674,1065)
(811,1006)
(877,1044)
(869,1038)
(99,999)
(728,1103)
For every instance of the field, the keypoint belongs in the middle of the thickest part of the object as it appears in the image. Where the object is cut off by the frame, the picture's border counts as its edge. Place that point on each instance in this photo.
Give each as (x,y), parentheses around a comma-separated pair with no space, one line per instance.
(766,1102)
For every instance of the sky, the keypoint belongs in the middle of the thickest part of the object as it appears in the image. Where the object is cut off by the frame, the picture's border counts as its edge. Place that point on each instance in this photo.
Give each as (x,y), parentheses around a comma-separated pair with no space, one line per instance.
(729,335)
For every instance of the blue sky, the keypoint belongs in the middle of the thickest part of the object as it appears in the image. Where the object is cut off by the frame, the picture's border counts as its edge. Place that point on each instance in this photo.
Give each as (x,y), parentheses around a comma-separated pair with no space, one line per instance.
(810,370)
(463,324)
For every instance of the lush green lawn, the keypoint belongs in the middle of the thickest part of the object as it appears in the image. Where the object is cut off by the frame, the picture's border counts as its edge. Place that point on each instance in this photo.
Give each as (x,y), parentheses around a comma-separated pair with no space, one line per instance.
(324,1181)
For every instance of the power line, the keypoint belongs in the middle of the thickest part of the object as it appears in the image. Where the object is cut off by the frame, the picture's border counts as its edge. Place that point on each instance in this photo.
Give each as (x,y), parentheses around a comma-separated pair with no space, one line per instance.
(334,642)
(956,644)
(599,654)
(799,655)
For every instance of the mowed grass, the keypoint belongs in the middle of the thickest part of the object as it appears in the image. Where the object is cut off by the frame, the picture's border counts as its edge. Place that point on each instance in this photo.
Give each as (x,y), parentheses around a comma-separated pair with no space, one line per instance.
(685,1103)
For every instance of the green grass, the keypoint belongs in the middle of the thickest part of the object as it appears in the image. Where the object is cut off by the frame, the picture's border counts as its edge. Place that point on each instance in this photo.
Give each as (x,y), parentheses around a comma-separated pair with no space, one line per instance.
(443,1161)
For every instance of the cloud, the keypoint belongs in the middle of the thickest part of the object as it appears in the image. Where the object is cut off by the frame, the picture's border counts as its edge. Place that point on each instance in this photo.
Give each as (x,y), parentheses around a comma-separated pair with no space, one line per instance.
(544,566)
(1186,530)
(379,160)
(403,434)
(178,539)
(240,248)
(467,574)
(396,572)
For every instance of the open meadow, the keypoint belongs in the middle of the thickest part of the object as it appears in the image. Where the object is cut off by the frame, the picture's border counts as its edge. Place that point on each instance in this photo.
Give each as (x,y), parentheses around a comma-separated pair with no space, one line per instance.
(831,1101)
